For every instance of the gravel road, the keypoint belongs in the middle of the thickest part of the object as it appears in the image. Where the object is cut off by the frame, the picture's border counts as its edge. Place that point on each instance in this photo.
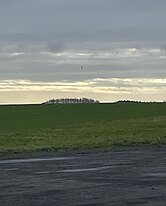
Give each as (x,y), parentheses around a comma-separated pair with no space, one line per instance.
(119,177)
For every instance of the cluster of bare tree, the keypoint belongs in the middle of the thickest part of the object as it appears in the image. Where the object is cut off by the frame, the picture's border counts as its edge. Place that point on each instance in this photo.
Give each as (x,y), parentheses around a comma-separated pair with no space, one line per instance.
(71,101)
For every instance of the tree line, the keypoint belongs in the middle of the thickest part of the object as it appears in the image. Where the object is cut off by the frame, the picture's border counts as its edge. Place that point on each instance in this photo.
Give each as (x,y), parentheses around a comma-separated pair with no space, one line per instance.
(71,101)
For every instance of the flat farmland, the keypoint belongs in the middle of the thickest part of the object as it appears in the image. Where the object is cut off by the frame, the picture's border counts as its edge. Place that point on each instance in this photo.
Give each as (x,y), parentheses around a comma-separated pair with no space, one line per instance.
(28,128)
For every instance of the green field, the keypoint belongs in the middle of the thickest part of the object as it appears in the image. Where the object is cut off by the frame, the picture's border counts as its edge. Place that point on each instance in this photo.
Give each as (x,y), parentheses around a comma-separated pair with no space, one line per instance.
(27,128)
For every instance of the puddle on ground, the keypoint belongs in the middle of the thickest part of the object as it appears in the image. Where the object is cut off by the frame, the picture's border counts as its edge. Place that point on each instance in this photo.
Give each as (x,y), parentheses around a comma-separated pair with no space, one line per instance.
(87,169)
(13,161)
(11,169)
(43,172)
(157,174)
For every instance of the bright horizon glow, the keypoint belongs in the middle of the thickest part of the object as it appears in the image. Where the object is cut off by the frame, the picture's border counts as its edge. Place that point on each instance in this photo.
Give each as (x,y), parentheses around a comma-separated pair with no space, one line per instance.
(102,89)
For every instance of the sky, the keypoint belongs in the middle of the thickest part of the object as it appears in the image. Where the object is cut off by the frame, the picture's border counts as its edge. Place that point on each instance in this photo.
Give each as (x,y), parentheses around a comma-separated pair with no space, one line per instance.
(107,50)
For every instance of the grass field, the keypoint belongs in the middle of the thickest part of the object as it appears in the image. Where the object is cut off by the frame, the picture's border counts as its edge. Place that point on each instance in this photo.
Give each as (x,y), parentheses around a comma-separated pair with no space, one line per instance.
(27,128)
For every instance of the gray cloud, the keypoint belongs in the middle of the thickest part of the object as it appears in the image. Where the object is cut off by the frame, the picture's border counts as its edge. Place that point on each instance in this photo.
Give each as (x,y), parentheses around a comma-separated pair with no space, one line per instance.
(55,47)
(78,20)
(113,63)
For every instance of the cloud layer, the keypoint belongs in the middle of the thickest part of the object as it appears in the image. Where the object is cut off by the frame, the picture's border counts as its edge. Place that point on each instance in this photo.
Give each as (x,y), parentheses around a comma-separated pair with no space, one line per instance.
(96,47)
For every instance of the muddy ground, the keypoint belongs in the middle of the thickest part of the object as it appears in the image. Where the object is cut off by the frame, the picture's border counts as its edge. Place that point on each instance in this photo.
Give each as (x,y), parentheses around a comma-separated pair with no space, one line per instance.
(128,176)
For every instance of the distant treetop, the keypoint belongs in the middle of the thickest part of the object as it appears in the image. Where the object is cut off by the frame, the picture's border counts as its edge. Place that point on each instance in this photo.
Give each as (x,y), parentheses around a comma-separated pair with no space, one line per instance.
(71,101)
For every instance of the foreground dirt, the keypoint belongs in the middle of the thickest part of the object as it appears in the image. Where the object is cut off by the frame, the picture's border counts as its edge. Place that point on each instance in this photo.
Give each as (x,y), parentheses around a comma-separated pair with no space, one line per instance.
(130,176)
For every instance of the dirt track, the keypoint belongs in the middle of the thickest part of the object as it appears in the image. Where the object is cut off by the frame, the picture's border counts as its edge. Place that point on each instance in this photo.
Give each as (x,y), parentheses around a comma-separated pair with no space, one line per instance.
(130,176)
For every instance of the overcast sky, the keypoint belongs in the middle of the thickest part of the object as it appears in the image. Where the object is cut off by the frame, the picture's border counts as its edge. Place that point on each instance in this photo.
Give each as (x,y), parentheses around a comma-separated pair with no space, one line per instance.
(120,43)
